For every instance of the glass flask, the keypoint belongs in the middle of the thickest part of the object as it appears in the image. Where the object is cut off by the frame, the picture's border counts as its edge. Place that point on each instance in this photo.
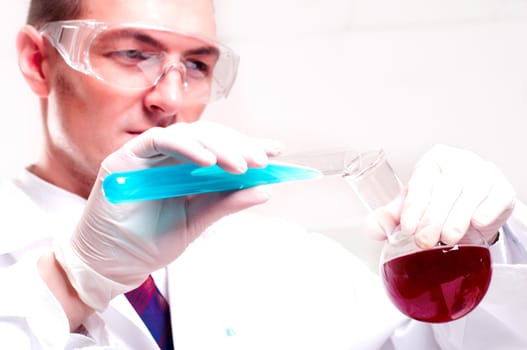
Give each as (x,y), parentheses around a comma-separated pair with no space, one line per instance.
(439,284)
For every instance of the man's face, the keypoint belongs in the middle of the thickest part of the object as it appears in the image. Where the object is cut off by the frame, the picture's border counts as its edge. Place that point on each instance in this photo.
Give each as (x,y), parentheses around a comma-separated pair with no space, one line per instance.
(89,119)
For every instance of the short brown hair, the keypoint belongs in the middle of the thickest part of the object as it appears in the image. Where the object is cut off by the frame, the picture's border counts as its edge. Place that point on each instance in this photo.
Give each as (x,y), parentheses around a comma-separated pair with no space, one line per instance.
(42,11)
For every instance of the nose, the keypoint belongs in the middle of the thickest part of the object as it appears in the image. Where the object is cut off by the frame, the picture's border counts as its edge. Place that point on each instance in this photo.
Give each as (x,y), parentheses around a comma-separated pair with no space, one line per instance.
(167,96)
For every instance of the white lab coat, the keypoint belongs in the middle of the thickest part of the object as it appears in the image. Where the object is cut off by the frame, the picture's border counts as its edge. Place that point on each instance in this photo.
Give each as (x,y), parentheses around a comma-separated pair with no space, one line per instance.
(248,283)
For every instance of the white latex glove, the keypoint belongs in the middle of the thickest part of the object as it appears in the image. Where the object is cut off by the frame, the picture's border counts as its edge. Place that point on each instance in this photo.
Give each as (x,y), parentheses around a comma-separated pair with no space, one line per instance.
(116,246)
(450,192)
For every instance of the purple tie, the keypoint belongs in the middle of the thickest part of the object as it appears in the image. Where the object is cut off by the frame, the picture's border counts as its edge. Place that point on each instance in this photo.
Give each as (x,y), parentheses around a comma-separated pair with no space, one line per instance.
(153,309)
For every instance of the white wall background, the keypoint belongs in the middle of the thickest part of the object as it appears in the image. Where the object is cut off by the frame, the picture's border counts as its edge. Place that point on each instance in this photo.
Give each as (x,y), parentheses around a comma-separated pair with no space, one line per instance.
(398,74)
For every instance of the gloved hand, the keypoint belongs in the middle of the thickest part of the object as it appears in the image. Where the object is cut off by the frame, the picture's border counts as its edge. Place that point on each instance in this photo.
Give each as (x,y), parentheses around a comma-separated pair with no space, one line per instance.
(450,192)
(116,246)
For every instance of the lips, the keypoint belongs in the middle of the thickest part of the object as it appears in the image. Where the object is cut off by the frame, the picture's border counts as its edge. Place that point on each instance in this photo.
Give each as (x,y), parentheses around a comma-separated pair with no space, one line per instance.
(138,131)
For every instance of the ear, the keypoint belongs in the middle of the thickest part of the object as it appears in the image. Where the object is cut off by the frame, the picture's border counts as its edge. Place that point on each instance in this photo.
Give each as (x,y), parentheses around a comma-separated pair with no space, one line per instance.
(31,54)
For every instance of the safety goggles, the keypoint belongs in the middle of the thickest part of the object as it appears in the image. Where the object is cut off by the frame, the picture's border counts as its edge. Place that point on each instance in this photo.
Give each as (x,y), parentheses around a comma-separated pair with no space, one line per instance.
(139,56)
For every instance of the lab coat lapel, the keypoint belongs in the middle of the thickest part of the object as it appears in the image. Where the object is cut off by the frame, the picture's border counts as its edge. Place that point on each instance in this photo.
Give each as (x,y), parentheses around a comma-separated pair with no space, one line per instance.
(172,299)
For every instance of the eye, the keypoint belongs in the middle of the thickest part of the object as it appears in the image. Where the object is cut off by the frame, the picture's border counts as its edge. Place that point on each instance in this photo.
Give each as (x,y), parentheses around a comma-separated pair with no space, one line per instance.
(131,56)
(197,69)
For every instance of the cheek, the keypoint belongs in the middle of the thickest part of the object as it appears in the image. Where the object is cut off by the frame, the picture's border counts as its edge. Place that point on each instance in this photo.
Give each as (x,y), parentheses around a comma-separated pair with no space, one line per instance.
(90,102)
(84,116)
(81,107)
(191,114)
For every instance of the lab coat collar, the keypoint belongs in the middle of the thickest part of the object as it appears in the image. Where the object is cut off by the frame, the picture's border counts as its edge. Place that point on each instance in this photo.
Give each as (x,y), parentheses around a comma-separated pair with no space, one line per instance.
(50,210)
(47,196)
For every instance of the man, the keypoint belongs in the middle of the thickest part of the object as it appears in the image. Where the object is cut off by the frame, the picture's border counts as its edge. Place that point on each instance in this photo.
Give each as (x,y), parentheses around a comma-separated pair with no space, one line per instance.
(122,86)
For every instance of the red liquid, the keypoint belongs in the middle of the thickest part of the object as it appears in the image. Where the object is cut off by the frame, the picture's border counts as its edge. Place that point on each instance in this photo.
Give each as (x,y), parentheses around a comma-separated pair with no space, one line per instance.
(438,285)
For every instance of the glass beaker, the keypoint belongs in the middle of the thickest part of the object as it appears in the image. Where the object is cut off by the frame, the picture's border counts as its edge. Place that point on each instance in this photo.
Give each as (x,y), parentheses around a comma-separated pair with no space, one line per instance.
(439,284)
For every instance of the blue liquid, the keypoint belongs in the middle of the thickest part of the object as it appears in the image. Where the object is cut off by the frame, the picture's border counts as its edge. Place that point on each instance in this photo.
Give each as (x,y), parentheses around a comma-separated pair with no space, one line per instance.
(189,179)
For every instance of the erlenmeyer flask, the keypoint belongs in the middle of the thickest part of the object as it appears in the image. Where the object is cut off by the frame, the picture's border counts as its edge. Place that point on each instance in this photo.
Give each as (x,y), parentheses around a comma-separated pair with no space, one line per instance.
(439,284)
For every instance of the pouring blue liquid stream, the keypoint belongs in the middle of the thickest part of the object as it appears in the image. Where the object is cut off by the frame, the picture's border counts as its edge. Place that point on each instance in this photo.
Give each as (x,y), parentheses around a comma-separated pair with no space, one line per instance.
(189,179)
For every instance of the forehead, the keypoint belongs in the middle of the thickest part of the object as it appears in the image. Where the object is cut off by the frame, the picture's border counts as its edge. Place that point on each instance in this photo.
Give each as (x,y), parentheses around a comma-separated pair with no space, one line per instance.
(192,16)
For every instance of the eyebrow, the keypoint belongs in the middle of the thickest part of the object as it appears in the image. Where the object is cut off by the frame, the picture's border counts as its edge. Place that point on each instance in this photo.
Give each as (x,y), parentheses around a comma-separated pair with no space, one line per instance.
(207,50)
(204,51)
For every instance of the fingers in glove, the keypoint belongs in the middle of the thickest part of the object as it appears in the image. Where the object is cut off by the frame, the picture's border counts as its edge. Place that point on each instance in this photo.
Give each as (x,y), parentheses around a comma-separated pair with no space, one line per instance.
(271,147)
(445,193)
(458,222)
(383,221)
(497,207)
(234,151)
(466,191)
(419,195)
(179,143)
(203,143)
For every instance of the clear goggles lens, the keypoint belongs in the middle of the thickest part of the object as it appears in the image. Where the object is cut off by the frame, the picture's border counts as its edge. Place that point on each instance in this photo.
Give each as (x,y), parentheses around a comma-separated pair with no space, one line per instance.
(136,56)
